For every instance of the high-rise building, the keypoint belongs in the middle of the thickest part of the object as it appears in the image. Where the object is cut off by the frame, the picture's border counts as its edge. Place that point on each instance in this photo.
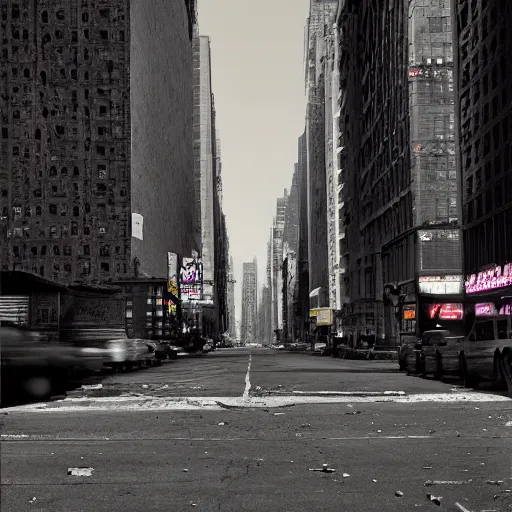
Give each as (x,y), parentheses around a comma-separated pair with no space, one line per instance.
(484,115)
(320,18)
(95,180)
(291,309)
(399,214)
(231,300)
(249,302)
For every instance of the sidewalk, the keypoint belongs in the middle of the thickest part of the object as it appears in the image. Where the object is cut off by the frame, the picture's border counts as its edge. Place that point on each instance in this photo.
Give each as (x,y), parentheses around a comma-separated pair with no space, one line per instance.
(357,354)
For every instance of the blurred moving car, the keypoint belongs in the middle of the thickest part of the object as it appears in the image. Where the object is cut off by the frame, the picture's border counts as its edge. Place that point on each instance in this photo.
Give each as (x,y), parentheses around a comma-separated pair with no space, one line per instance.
(33,369)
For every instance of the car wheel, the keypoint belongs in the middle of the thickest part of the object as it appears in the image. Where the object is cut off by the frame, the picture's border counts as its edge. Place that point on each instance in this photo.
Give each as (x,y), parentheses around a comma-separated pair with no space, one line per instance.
(37,386)
(505,365)
(467,380)
(438,374)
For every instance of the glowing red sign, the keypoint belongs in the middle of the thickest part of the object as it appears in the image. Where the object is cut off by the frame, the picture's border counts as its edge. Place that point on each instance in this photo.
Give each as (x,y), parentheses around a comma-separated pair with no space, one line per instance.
(492,279)
(446,311)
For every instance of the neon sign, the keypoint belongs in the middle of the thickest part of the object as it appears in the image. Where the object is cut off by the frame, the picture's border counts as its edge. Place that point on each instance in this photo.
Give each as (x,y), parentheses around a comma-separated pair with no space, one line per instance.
(491,279)
(409,314)
(485,309)
(490,309)
(446,311)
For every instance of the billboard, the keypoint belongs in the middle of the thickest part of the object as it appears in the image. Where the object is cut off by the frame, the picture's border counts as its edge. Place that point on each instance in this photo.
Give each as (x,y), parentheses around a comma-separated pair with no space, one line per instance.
(172,274)
(191,279)
(324,316)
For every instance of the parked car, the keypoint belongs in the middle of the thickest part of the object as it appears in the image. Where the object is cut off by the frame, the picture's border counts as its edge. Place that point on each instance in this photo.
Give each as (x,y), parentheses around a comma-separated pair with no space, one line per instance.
(440,354)
(405,350)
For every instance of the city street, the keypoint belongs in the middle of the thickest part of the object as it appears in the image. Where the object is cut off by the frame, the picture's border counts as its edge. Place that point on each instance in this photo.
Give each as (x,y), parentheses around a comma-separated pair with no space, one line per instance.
(241,430)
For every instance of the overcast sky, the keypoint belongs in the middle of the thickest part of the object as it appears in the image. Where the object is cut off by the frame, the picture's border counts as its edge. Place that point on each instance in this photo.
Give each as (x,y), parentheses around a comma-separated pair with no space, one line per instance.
(258,83)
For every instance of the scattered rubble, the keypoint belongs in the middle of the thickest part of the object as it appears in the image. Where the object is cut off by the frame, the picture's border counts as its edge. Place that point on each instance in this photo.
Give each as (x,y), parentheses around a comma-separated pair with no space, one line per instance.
(33,500)
(325,469)
(399,494)
(88,387)
(222,423)
(495,482)
(80,471)
(435,499)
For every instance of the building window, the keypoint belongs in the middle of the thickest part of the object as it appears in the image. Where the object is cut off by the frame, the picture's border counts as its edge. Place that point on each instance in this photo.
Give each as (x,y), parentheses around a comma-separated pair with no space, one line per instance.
(87,250)
(56,250)
(105,266)
(53,209)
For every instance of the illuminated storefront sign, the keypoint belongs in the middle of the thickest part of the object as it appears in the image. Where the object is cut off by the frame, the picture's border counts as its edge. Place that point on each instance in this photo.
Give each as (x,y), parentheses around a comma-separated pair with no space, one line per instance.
(191,278)
(440,285)
(446,311)
(485,309)
(491,279)
(490,309)
(409,314)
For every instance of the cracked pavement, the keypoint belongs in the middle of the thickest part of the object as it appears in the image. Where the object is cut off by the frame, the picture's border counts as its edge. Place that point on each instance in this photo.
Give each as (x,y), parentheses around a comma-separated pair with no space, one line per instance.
(241,457)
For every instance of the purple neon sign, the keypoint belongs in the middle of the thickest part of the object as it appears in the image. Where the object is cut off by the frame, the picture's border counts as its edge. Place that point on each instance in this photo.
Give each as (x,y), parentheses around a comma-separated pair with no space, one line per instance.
(492,279)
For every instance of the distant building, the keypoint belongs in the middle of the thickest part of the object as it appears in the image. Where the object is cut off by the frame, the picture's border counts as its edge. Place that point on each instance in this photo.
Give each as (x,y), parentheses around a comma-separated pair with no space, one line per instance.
(231,300)
(249,302)
(89,161)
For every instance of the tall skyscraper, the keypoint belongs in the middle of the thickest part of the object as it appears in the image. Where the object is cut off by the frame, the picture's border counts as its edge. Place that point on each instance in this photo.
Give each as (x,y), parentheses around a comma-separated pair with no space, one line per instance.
(231,300)
(249,302)
(321,15)
(89,161)
(400,211)
(484,114)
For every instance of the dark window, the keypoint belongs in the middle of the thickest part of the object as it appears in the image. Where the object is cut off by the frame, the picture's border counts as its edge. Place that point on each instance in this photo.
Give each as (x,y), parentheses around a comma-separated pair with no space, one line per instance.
(60,15)
(87,230)
(103,109)
(44,16)
(87,250)
(53,209)
(76,171)
(56,250)
(76,211)
(104,35)
(38,210)
(105,266)
(43,250)
(85,17)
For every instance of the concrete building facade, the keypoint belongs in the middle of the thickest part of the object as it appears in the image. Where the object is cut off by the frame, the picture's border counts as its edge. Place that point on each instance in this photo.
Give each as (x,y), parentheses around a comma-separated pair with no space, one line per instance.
(399,211)
(248,329)
(89,161)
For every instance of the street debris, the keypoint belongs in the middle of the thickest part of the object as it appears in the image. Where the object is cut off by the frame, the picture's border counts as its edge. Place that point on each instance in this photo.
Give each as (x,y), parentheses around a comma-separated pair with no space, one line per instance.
(429,483)
(461,508)
(495,482)
(185,471)
(279,413)
(306,425)
(163,387)
(374,481)
(325,469)
(431,431)
(87,387)
(80,471)
(345,475)
(32,500)
(145,386)
(508,424)
(379,431)
(353,412)
(427,467)
(399,494)
(222,423)
(457,434)
(496,496)
(258,388)
(435,499)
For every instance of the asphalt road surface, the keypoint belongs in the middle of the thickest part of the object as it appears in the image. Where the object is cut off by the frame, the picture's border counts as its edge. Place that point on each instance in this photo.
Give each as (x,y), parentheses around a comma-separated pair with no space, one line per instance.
(241,430)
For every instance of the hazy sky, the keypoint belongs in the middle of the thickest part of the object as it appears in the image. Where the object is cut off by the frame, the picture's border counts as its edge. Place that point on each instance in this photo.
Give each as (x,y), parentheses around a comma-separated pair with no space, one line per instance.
(258,83)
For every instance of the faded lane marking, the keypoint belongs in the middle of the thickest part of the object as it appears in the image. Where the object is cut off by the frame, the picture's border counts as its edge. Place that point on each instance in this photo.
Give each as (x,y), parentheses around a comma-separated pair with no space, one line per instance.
(134,404)
(245,396)
(80,471)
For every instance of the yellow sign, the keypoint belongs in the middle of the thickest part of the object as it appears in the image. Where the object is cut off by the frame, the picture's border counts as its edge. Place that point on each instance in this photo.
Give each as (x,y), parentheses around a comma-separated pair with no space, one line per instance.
(324,316)
(172,287)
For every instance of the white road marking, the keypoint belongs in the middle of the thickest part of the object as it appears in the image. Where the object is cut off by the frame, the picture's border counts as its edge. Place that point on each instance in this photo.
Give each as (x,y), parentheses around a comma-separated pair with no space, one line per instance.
(345,393)
(245,396)
(138,403)
(80,471)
